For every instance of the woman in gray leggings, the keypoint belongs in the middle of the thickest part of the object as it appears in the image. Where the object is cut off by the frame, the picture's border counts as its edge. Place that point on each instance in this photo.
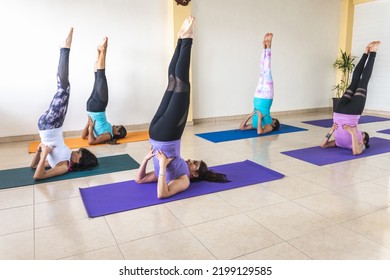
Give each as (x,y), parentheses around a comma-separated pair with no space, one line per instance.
(52,152)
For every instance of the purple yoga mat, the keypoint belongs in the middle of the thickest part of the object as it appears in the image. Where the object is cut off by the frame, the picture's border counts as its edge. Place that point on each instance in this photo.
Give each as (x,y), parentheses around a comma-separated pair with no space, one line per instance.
(386,131)
(128,195)
(319,156)
(363,119)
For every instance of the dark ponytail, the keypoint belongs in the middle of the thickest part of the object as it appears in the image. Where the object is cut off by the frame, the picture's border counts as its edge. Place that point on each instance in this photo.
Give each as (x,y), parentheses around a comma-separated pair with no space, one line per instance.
(209,175)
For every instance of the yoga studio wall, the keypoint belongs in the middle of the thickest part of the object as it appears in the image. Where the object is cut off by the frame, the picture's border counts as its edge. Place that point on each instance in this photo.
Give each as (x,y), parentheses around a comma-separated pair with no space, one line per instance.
(139,50)
(372,23)
(225,64)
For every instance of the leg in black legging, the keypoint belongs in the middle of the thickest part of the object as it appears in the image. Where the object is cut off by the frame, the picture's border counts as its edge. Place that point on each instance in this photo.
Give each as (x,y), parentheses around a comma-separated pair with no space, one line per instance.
(354,99)
(170,88)
(98,100)
(356,75)
(170,119)
(350,91)
(359,98)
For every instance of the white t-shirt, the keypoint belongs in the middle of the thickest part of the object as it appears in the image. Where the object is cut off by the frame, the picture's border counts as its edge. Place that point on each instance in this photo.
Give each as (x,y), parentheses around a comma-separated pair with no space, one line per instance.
(54,138)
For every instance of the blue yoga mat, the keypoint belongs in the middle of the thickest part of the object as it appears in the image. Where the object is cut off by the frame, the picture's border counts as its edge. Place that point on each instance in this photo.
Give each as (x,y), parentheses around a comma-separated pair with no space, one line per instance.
(128,195)
(236,134)
(386,131)
(320,156)
(363,119)
(18,177)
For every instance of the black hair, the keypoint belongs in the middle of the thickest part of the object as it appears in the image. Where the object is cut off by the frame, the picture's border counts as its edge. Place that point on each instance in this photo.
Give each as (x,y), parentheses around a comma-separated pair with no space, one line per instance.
(122,133)
(366,139)
(276,125)
(87,161)
(209,175)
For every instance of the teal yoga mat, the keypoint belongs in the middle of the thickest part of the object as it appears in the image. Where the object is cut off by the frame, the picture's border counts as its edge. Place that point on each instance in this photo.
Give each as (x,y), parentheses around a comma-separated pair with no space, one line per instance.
(236,134)
(18,177)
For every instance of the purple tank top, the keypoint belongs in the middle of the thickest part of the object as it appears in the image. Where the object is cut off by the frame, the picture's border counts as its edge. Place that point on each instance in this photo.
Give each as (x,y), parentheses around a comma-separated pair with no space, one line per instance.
(178,166)
(342,137)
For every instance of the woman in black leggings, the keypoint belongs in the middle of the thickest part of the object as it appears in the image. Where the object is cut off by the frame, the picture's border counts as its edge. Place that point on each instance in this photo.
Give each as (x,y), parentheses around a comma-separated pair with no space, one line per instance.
(172,173)
(351,105)
(98,129)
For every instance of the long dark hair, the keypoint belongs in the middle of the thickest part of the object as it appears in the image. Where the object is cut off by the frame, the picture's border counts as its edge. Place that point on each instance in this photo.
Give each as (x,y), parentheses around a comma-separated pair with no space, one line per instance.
(206,174)
(87,161)
(367,139)
(122,133)
(276,125)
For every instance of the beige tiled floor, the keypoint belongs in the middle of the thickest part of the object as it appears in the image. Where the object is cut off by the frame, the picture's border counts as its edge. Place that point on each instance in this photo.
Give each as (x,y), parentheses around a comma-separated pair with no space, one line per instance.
(338,211)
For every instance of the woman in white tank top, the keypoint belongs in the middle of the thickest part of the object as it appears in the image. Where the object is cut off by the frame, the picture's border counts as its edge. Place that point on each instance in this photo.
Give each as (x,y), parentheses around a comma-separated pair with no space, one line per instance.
(52,153)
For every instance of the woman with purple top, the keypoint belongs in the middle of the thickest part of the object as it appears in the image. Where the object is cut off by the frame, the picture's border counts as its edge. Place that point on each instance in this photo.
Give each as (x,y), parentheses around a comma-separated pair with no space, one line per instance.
(172,173)
(351,105)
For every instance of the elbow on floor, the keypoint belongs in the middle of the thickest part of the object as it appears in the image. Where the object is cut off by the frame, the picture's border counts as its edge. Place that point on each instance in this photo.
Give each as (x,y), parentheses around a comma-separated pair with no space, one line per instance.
(162,196)
(138,181)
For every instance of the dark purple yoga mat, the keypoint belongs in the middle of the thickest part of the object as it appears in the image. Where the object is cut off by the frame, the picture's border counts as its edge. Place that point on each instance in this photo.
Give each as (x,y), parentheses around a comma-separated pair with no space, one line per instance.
(386,131)
(363,119)
(319,156)
(128,195)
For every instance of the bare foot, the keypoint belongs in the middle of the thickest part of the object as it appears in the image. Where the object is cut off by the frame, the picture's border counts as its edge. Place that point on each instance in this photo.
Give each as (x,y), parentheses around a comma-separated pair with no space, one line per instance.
(368,47)
(102,47)
(187,30)
(268,40)
(182,28)
(68,40)
(264,43)
(375,46)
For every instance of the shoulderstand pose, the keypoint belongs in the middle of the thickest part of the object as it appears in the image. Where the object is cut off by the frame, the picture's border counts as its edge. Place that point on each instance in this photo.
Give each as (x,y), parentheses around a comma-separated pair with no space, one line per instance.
(172,173)
(351,105)
(264,94)
(98,129)
(52,151)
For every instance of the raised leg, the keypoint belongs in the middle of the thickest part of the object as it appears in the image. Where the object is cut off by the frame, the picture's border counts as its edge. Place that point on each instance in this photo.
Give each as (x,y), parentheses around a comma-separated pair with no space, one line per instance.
(54,116)
(265,86)
(169,121)
(98,100)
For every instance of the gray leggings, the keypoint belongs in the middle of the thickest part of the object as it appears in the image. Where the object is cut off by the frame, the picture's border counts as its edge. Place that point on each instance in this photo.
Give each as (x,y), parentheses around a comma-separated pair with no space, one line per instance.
(55,115)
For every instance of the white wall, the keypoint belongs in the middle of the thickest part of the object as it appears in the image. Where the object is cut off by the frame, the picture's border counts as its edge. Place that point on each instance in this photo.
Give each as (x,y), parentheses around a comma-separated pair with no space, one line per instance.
(225,56)
(372,23)
(31,33)
(228,47)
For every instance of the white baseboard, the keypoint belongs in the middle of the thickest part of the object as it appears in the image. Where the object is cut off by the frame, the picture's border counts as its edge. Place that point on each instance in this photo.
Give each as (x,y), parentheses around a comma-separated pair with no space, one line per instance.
(138,127)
